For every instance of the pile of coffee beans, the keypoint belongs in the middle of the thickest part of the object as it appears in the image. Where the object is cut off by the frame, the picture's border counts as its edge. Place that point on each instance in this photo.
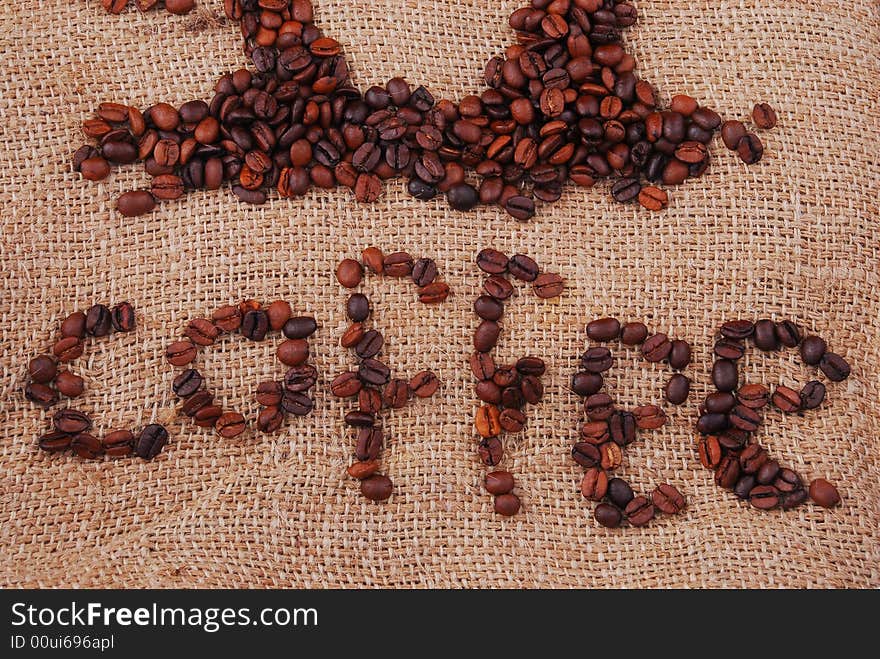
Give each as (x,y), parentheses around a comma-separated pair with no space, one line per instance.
(372,382)
(562,104)
(504,390)
(607,430)
(46,382)
(732,414)
(171,6)
(254,322)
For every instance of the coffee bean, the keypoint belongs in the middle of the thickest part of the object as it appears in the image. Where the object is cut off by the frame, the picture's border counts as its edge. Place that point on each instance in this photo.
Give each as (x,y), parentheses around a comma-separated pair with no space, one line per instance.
(488,308)
(731,133)
(227,318)
(721,402)
(634,334)
(612,456)
(486,335)
(595,432)
(492,261)
(270,419)
(599,407)
(74,325)
(523,268)
(737,329)
(69,385)
(490,451)
(352,335)
(548,285)
(71,421)
(727,473)
(824,493)
(788,334)
(302,378)
(487,421)
(122,317)
(86,446)
(764,497)
(279,313)
(750,148)
(376,487)
(786,399)
(482,365)
(724,375)
(649,417)
(181,353)
(755,396)
(150,441)
(512,420)
(507,504)
(498,482)
(196,401)
(710,452)
(40,394)
(373,259)
(710,423)
(679,354)
(767,472)
(608,516)
(42,369)
(434,293)
(764,116)
(230,424)
(787,481)
(745,418)
(793,498)
(626,190)
(424,272)
(137,202)
(744,486)
(733,439)
(372,371)
(118,444)
(369,443)
(604,329)
(597,360)
(349,273)
(834,367)
(462,197)
(269,393)
(424,384)
(731,349)
(653,198)
(667,499)
(639,511)
(362,470)
(656,348)
(201,332)
(586,454)
(586,384)
(677,389)
(812,395)
(765,335)
(396,394)
(207,416)
(255,325)
(530,366)
(813,348)
(498,287)
(293,352)
(398,264)
(98,320)
(300,327)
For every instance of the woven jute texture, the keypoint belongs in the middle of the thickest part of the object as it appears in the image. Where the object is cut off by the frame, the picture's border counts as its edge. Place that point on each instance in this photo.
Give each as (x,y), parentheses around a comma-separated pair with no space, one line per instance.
(792,237)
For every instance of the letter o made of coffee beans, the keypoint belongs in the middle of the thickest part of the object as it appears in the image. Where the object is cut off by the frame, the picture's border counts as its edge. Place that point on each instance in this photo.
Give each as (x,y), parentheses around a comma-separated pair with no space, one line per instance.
(733,413)
(50,377)
(277,399)
(607,430)
(371,382)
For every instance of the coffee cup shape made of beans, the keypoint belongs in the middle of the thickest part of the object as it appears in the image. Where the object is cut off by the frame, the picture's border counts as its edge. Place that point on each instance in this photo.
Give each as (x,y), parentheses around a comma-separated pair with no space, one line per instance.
(371,381)
(504,390)
(561,105)
(50,377)
(732,414)
(278,399)
(607,430)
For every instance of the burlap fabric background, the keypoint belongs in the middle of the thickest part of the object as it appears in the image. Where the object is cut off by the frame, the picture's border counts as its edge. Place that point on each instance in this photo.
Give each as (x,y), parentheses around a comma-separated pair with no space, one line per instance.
(795,236)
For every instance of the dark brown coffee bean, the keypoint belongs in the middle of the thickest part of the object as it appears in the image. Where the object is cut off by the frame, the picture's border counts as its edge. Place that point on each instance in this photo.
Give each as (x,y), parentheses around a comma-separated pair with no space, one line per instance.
(512,420)
(595,432)
(396,394)
(677,389)
(724,375)
(824,493)
(639,511)
(424,272)
(278,312)
(301,378)
(793,499)
(118,444)
(369,443)
(656,348)
(594,485)
(710,423)
(150,441)
(349,273)
(548,285)
(745,418)
(482,365)
(346,385)
(599,407)
(498,287)
(737,329)
(835,367)
(488,392)
(786,400)
(98,320)
(498,482)
(765,335)
(297,403)
(727,473)
(398,264)
(434,293)
(196,401)
(787,481)
(729,349)
(293,352)
(255,325)
(764,497)
(764,116)
(586,454)
(69,385)
(750,148)
(633,334)
(767,472)
(201,332)
(744,486)
(788,334)
(507,504)
(86,446)
(488,308)
(352,335)
(377,487)
(181,353)
(523,267)
(604,329)
(370,344)
(531,366)
(486,335)
(370,401)
(137,202)
(586,384)
(731,133)
(40,394)
(491,451)
(269,393)
(679,354)
(492,261)
(720,402)
(357,308)
(299,327)
(813,348)
(608,516)
(74,325)
(755,396)
(597,360)
(733,439)
(626,190)
(752,459)
(424,384)
(122,317)
(230,425)
(649,417)
(71,421)
(270,419)
(812,395)
(372,371)
(227,318)
(668,499)
(42,369)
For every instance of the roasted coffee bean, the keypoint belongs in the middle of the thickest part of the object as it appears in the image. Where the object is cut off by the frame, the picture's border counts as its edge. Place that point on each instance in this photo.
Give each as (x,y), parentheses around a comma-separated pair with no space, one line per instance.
(71,421)
(786,400)
(227,318)
(255,325)
(599,407)
(98,320)
(122,317)
(300,327)
(370,344)
(626,190)
(731,133)
(633,334)
(372,371)
(745,418)
(649,417)
(352,335)
(434,293)
(622,427)
(488,308)
(639,511)
(824,493)
(595,432)
(548,285)
(750,148)
(150,441)
(482,365)
(752,458)
(755,396)
(737,329)
(767,472)
(765,335)
(597,360)
(301,378)
(196,401)
(370,401)
(788,334)
(656,348)
(86,446)
(424,272)
(278,312)
(594,485)
(74,325)
(619,492)
(488,392)
(377,487)
(118,444)
(523,267)
(586,384)
(137,202)
(729,349)
(270,419)
(346,385)
(724,375)
(269,393)
(507,504)
(463,197)
(498,482)
(612,456)
(727,473)
(357,308)
(764,497)
(764,116)
(364,469)
(835,367)
(733,439)
(813,348)
(486,335)
(201,332)
(653,198)
(679,354)
(744,486)
(604,329)
(531,366)
(492,261)
(42,369)
(710,451)
(293,352)
(668,499)
(812,395)
(720,402)
(360,419)
(677,389)
(498,287)
(487,421)
(586,454)
(373,259)
(711,423)
(396,394)
(230,425)
(491,451)
(69,385)
(369,443)
(787,481)
(349,273)
(512,419)
(40,394)
(424,384)
(793,499)
(181,353)
(608,516)
(398,264)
